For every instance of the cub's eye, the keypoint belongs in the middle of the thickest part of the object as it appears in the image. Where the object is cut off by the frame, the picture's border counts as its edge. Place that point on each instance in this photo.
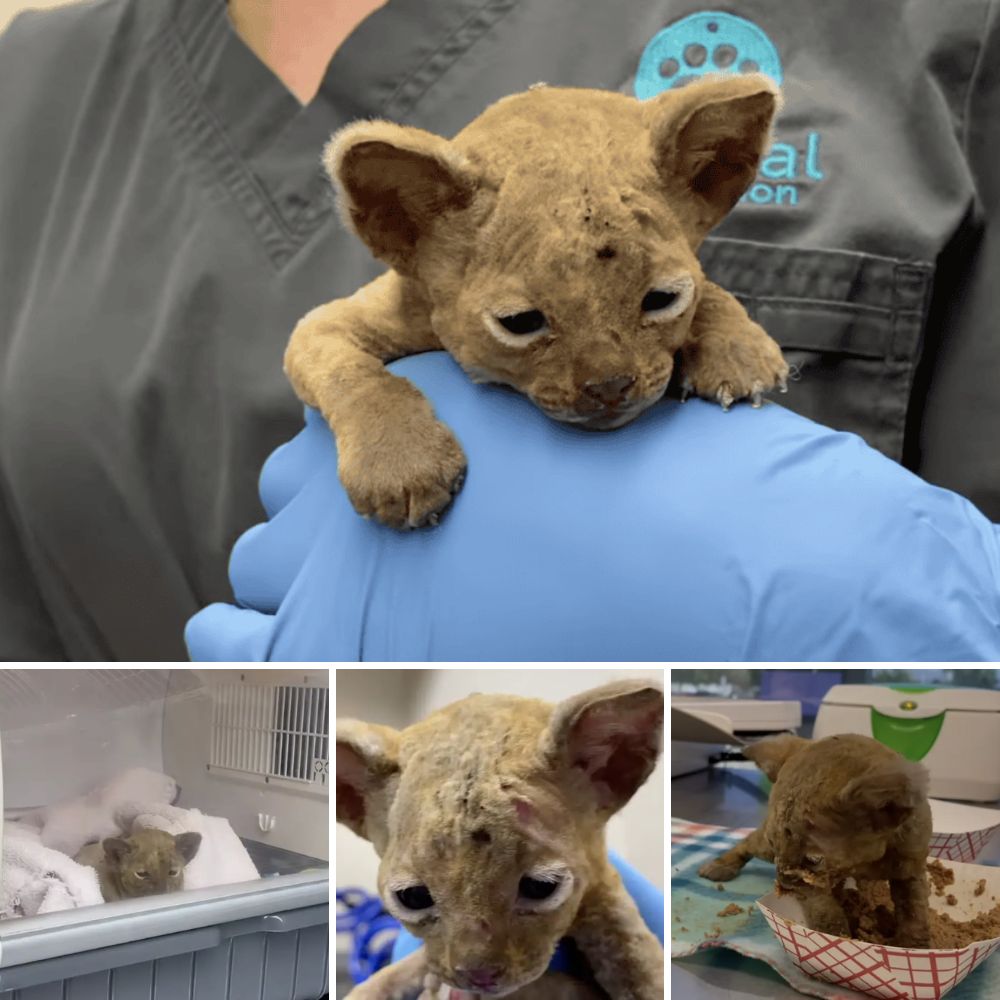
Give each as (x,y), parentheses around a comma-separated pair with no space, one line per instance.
(531,321)
(668,298)
(142,874)
(658,299)
(536,888)
(415,897)
(174,872)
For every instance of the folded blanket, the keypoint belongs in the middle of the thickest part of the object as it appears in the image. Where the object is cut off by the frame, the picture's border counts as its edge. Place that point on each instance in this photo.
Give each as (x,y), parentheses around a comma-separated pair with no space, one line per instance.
(221,859)
(35,879)
(67,826)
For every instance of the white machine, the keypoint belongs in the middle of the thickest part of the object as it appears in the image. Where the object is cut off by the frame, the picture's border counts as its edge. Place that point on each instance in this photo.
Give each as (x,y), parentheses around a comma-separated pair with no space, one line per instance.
(954,732)
(701,727)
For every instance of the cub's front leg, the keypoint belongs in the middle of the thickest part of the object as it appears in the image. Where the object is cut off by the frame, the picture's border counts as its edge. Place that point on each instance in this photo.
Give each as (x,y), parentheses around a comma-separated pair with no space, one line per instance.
(396,460)
(403,980)
(727,355)
(626,957)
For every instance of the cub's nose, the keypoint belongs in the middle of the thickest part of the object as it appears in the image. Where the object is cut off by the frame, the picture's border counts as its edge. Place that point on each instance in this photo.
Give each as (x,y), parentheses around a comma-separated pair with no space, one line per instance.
(484,978)
(611,390)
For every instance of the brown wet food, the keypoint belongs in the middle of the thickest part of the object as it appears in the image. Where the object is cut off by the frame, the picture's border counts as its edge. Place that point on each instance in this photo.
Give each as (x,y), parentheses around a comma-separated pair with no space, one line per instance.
(730,911)
(939,876)
(980,887)
(870,914)
(950,899)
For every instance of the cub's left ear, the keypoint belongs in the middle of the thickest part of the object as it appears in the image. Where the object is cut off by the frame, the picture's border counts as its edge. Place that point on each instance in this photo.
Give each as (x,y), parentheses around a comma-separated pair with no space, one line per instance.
(394,183)
(708,138)
(611,736)
(187,845)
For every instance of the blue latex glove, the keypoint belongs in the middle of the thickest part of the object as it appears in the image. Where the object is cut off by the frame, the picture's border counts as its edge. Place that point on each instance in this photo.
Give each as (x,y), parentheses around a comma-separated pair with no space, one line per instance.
(691,534)
(647,898)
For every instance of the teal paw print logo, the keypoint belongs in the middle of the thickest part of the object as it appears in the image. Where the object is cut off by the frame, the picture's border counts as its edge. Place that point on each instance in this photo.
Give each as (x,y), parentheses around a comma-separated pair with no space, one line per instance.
(709,42)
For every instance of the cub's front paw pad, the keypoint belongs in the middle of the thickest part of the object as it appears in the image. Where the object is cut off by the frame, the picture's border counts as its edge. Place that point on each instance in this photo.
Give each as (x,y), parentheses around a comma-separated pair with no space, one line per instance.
(405,479)
(718,870)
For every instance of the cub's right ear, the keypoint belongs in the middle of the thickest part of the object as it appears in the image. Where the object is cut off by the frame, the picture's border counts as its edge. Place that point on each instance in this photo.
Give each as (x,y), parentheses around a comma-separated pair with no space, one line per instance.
(366,761)
(771,755)
(395,183)
(115,849)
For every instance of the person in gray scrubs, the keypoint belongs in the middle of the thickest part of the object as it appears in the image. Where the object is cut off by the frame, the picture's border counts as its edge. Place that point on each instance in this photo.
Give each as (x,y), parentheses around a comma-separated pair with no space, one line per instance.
(164,221)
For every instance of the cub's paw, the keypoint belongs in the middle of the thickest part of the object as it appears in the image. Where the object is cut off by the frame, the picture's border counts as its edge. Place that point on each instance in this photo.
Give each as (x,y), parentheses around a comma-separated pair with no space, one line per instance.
(403,475)
(735,362)
(720,870)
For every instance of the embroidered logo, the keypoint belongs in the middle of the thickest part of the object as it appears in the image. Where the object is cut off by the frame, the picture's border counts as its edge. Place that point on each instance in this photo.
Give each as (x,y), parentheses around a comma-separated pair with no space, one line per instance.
(716,42)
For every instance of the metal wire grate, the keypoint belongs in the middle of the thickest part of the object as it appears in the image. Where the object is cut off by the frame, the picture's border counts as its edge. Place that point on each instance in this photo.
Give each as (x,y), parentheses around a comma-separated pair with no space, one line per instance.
(274,730)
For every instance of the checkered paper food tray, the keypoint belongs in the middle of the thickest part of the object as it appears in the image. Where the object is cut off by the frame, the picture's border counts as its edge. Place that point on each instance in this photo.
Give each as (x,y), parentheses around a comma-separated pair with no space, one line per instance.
(886,973)
(696,926)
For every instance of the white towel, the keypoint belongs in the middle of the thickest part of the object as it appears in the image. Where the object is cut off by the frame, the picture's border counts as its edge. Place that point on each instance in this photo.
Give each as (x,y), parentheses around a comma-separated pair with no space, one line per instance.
(221,859)
(67,826)
(36,879)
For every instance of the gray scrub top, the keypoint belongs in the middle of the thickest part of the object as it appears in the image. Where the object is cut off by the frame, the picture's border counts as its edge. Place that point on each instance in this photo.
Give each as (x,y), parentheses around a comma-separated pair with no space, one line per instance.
(164,222)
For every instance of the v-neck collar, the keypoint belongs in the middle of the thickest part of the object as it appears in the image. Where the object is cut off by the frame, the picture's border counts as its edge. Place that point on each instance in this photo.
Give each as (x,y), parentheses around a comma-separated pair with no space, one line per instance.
(370,75)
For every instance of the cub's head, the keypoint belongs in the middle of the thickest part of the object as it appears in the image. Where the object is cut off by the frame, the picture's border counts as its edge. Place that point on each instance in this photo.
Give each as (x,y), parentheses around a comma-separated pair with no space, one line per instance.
(555,236)
(488,818)
(846,799)
(150,862)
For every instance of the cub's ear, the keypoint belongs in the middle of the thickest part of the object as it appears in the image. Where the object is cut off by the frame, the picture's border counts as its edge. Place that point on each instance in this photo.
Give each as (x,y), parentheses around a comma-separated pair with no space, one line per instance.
(887,793)
(394,182)
(708,138)
(187,845)
(610,736)
(367,758)
(115,849)
(770,755)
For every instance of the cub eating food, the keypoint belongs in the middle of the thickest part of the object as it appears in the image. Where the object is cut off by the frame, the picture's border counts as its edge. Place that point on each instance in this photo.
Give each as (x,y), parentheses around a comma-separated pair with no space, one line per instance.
(488,818)
(843,807)
(549,247)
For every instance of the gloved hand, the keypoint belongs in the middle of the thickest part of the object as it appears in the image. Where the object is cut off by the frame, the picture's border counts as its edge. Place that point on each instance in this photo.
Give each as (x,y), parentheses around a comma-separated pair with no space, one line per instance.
(691,534)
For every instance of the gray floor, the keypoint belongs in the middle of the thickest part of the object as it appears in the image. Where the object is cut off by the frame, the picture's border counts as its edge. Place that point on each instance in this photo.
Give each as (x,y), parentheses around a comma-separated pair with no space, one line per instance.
(727,795)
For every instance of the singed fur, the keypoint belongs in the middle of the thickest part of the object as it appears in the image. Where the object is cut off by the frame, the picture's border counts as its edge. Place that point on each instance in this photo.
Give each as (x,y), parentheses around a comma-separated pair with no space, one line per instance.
(844,806)
(571,202)
(484,792)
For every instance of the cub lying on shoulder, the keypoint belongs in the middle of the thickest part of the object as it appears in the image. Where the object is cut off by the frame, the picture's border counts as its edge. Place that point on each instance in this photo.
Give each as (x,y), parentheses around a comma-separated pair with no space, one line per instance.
(147,863)
(550,247)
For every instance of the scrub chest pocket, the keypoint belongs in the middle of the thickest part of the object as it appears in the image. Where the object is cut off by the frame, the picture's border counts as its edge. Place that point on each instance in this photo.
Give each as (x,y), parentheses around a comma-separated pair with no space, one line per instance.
(850,323)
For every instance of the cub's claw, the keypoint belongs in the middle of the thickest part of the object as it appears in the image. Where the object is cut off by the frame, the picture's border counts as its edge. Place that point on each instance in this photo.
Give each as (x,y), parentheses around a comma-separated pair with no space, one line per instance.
(757,395)
(687,388)
(725,397)
(782,384)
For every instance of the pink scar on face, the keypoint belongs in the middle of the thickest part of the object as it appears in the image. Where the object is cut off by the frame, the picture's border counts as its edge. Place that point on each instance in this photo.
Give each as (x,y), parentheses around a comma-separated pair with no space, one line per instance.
(524,809)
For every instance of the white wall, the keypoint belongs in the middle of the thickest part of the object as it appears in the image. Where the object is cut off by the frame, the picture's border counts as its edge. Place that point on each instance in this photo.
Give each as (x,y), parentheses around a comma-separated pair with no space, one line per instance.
(400,697)
(302,815)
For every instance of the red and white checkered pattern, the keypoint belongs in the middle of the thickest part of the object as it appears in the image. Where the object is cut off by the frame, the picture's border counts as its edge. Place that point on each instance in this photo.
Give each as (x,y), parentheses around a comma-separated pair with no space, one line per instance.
(886,973)
(960,846)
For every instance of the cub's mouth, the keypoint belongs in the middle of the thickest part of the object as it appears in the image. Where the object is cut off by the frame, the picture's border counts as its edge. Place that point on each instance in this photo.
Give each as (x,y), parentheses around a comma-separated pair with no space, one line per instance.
(605,419)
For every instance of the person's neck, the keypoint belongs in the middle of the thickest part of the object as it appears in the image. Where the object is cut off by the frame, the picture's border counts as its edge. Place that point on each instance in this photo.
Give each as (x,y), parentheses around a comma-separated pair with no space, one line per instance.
(296,39)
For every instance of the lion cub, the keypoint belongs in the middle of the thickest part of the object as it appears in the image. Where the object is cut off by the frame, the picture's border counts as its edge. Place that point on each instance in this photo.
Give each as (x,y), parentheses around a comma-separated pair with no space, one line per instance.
(146,863)
(550,247)
(488,818)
